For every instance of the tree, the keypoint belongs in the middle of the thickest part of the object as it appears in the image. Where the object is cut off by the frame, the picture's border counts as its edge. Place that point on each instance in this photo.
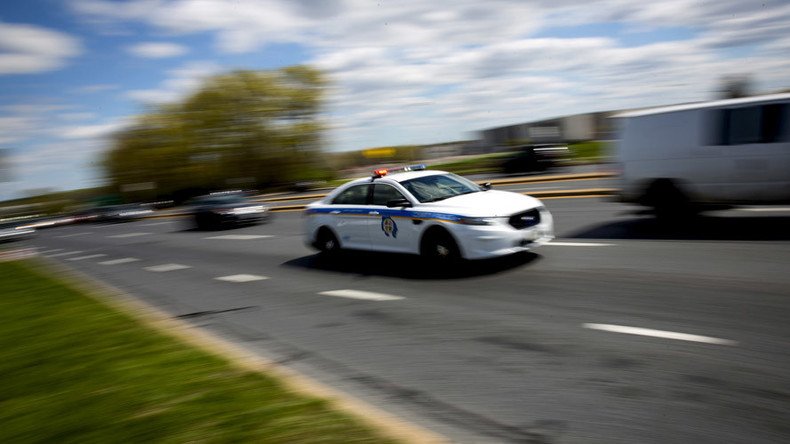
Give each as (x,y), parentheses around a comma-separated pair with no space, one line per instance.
(241,129)
(735,86)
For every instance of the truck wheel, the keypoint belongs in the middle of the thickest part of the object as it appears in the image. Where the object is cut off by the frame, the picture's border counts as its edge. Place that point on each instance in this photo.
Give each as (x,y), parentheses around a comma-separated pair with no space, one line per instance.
(669,203)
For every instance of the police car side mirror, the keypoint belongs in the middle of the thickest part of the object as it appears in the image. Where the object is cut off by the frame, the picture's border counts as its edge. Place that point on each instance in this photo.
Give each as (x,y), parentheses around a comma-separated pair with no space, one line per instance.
(398,203)
(486,186)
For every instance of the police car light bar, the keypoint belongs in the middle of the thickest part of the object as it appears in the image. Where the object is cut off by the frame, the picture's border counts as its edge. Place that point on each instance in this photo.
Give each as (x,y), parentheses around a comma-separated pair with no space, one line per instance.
(384,171)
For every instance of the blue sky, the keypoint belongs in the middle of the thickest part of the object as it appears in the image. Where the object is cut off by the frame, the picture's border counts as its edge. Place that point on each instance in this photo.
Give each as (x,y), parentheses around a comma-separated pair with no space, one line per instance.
(72,72)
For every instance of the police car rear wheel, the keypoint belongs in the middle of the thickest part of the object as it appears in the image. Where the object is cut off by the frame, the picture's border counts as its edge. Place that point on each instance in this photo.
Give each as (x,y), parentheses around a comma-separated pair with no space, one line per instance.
(327,242)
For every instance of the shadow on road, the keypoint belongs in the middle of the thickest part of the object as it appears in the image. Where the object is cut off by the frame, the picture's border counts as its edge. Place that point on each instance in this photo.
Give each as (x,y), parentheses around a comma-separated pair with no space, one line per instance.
(408,266)
(704,227)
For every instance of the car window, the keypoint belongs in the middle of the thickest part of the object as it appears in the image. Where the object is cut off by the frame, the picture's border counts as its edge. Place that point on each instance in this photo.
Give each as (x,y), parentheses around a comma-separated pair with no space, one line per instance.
(356,195)
(748,125)
(439,187)
(383,193)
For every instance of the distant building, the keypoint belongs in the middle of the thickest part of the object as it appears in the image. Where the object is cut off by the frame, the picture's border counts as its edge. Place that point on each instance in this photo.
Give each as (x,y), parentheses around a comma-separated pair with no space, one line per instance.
(449,149)
(575,128)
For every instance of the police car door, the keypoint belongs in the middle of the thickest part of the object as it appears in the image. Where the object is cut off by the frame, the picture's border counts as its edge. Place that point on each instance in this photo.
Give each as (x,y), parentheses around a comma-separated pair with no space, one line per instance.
(388,229)
(349,215)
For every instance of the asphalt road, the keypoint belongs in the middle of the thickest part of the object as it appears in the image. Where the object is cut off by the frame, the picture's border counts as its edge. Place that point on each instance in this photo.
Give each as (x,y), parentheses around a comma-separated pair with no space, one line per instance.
(512,350)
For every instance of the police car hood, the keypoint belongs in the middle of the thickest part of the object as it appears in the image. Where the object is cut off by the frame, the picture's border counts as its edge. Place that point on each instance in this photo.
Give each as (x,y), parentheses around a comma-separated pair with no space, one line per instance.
(492,203)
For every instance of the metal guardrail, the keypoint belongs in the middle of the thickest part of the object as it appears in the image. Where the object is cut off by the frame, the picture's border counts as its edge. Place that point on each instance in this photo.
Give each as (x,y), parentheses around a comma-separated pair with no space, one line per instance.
(505,181)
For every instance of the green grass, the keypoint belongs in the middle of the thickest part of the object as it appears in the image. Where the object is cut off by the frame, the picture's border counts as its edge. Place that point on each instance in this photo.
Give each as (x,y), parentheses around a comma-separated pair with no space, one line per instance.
(588,151)
(75,371)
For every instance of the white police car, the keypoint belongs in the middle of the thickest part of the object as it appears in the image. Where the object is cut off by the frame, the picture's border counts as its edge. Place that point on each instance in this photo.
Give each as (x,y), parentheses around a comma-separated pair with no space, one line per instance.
(432,213)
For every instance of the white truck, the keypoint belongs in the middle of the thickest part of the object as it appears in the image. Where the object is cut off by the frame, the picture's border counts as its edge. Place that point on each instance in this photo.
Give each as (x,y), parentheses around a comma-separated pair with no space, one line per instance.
(678,159)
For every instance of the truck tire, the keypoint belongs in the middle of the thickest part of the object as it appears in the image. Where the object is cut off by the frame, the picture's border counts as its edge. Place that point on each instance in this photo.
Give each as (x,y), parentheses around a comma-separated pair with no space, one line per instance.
(670,204)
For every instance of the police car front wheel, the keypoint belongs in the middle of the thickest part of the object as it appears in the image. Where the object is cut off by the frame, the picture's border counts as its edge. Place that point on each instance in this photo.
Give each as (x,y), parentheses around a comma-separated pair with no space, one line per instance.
(440,246)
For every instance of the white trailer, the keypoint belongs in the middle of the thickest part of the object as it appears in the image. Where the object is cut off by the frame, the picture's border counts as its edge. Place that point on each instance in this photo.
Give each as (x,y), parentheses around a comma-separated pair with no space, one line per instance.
(677,159)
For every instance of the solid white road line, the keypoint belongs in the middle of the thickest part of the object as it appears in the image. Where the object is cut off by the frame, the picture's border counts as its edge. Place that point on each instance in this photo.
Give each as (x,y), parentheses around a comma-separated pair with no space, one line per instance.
(75,234)
(167,267)
(578,244)
(357,294)
(659,334)
(241,278)
(67,253)
(153,224)
(120,236)
(124,260)
(240,236)
(55,250)
(90,256)
(764,209)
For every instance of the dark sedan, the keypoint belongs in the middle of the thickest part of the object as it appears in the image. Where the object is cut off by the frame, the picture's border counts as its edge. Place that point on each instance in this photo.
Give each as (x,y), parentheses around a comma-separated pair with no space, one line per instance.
(529,158)
(218,211)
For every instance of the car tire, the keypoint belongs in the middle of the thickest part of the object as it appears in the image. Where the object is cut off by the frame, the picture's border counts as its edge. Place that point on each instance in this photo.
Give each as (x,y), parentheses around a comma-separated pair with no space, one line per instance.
(327,242)
(439,247)
(200,222)
(670,205)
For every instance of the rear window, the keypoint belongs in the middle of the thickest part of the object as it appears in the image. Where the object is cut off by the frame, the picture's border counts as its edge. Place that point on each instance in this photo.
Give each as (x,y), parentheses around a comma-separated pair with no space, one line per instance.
(356,195)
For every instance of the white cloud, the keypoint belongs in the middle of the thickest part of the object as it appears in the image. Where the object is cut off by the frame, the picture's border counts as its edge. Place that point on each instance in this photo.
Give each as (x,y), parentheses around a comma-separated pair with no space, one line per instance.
(95,88)
(157,50)
(180,82)
(413,70)
(15,128)
(90,131)
(28,49)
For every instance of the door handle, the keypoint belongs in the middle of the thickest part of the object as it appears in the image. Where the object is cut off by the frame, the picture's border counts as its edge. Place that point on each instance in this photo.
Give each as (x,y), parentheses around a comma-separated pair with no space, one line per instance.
(334,212)
(375,213)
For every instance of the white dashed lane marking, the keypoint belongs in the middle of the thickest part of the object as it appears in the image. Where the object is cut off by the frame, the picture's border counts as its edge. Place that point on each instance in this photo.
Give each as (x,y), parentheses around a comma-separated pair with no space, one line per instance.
(82,258)
(659,334)
(167,267)
(66,253)
(124,260)
(241,278)
(120,236)
(75,234)
(578,244)
(240,236)
(365,295)
(55,250)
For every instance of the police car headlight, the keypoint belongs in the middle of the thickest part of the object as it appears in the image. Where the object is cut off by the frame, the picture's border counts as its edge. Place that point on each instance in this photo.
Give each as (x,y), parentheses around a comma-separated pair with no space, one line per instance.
(477,221)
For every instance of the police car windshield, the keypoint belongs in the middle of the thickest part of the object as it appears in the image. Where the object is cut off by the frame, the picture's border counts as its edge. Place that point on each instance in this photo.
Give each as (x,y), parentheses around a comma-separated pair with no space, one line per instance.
(439,187)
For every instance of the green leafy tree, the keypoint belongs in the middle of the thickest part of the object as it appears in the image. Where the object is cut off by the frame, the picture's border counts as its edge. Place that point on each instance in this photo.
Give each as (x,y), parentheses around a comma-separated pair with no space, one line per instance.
(239,130)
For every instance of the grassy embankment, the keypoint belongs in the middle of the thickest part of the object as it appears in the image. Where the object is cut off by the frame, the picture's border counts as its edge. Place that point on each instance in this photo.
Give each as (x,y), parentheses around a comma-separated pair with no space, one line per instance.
(74,370)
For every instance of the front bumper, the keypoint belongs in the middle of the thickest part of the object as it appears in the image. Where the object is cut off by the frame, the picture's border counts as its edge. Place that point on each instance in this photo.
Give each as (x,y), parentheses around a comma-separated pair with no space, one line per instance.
(501,239)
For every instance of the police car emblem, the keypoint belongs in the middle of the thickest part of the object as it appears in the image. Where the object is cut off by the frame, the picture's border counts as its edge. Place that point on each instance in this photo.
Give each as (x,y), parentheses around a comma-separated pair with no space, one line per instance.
(389,227)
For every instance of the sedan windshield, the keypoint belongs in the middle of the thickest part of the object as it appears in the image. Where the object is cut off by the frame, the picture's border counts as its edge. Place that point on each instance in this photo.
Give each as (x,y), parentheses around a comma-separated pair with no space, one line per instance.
(439,187)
